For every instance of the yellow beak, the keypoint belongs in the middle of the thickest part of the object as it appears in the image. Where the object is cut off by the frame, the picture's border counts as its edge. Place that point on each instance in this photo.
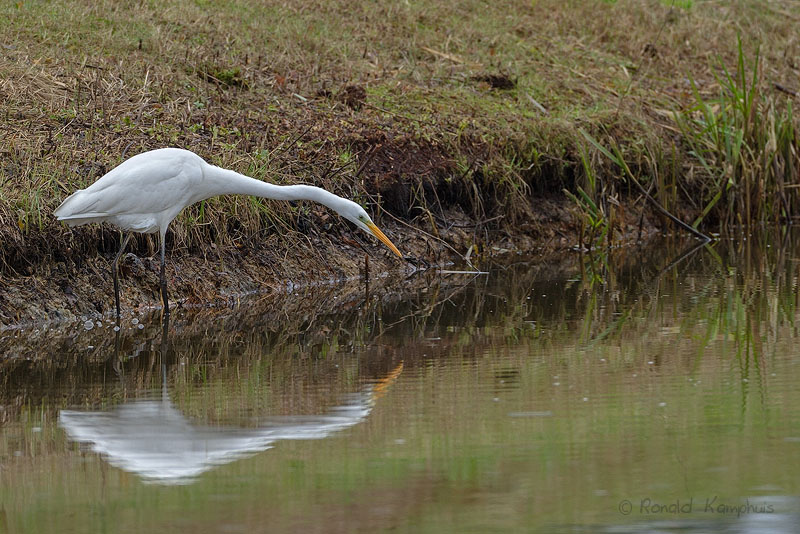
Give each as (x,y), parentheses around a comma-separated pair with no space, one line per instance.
(380,235)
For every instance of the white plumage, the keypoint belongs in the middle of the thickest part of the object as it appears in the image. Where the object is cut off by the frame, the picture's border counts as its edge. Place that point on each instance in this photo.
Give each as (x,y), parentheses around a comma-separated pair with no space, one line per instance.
(146,192)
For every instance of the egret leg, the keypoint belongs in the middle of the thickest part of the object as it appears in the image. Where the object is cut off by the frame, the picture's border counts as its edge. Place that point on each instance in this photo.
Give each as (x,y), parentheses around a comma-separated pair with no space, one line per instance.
(164,350)
(114,269)
(163,279)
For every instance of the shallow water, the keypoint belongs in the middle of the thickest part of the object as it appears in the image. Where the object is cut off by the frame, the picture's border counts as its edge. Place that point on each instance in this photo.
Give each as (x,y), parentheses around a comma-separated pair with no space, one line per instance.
(652,391)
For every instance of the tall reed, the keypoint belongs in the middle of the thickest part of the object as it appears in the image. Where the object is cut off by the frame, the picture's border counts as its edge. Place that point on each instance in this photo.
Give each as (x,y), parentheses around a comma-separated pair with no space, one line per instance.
(745,141)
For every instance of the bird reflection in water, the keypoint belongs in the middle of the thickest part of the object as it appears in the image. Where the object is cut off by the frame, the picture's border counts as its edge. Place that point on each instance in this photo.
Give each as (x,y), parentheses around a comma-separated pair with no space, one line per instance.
(154,440)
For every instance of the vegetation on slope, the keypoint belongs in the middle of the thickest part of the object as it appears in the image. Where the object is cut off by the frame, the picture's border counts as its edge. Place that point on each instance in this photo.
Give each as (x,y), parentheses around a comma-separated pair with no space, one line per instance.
(462,120)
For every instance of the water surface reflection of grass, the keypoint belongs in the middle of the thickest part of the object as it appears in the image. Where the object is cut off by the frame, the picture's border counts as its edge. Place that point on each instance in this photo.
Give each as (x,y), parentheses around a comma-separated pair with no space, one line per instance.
(537,399)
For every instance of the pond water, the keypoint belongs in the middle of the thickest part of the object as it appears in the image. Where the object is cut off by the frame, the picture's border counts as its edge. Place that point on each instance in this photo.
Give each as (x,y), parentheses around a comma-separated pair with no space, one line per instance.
(654,390)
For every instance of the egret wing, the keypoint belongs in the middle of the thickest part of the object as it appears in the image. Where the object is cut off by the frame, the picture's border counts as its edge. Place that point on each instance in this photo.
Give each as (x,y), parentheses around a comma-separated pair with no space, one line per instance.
(149,183)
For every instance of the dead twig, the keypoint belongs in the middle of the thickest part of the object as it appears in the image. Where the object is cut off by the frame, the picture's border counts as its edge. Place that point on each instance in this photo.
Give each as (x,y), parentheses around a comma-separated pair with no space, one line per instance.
(786,90)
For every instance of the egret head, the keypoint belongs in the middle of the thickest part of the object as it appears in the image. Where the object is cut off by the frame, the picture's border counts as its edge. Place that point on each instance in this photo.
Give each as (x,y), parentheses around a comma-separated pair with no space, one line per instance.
(358,216)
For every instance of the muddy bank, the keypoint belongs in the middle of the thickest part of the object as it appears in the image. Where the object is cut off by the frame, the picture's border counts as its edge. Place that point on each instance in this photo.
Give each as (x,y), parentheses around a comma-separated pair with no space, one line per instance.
(302,308)
(77,285)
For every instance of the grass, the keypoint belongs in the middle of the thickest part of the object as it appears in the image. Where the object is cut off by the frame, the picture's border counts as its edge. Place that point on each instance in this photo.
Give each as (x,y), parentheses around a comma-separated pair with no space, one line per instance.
(434,111)
(746,146)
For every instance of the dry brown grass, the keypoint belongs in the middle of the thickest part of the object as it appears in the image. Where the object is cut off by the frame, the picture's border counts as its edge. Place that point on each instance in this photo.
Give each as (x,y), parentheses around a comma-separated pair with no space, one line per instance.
(468,109)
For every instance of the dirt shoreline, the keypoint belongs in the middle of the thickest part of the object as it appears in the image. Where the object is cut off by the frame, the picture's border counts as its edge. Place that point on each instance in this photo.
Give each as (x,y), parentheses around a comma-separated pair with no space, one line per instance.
(79,286)
(308,308)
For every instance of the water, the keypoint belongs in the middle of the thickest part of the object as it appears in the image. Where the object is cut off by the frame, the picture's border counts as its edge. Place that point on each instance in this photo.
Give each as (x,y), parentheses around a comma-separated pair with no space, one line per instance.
(652,391)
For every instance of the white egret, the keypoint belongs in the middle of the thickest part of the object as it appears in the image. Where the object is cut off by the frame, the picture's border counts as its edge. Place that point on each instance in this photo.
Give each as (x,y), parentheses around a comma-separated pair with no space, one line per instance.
(145,192)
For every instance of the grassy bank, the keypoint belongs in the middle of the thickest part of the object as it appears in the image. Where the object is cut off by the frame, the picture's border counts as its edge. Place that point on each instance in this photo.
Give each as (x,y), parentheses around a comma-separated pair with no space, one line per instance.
(463,121)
